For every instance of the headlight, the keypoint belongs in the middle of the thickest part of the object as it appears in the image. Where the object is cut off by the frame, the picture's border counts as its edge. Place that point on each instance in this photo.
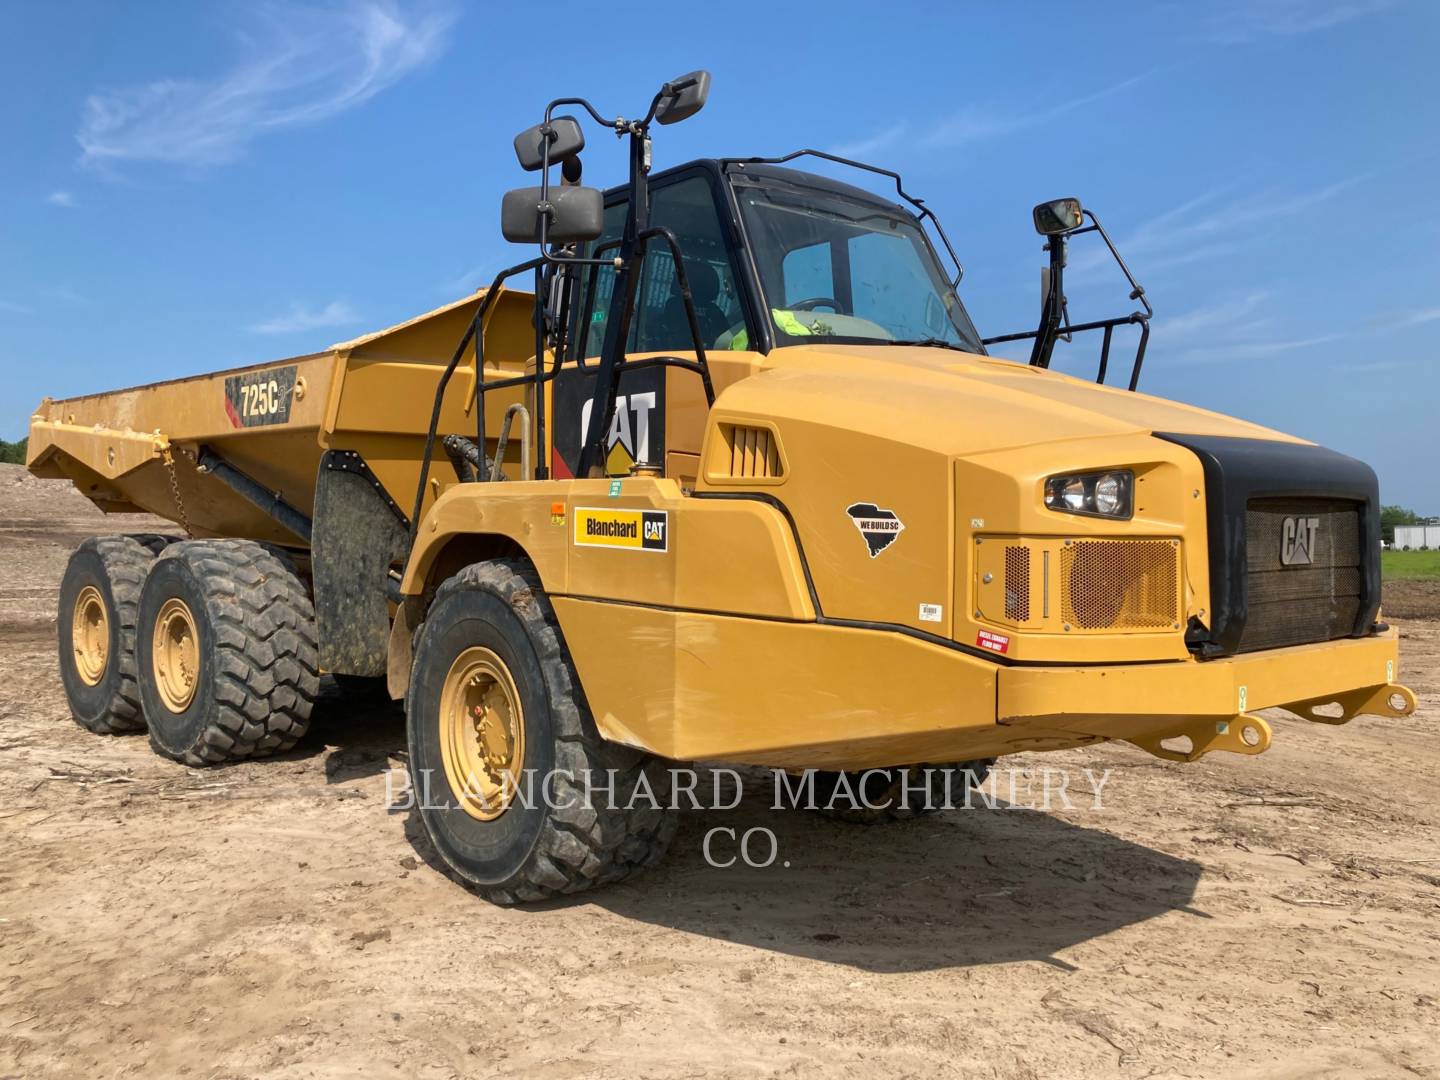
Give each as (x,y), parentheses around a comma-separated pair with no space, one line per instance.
(1106,494)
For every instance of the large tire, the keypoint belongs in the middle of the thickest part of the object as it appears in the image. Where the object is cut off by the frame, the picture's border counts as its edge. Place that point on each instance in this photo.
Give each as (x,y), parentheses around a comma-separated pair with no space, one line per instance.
(529,848)
(101,593)
(884,789)
(234,632)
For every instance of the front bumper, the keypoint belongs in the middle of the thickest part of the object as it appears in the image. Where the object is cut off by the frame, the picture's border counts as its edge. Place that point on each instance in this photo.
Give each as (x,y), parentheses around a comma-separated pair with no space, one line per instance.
(1210,703)
(694,686)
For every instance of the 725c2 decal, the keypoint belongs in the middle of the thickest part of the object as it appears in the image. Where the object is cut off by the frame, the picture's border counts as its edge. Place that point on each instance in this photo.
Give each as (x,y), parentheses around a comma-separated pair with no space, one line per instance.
(260,398)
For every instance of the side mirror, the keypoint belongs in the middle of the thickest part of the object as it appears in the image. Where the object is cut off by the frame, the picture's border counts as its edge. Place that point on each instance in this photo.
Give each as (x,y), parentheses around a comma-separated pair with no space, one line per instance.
(682,98)
(1058,216)
(576,214)
(566,140)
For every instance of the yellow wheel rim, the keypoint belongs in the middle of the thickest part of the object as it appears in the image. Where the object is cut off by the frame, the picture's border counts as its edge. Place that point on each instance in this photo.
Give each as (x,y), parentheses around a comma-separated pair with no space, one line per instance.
(175,658)
(90,635)
(482,733)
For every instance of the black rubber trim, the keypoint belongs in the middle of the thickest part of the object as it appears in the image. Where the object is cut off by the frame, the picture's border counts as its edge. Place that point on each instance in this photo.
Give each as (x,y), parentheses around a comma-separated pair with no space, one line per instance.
(1238,470)
(859,624)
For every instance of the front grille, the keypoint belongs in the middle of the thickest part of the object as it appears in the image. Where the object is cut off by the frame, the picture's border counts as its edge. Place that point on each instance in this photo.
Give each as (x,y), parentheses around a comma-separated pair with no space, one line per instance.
(1306,601)
(1120,584)
(1017,583)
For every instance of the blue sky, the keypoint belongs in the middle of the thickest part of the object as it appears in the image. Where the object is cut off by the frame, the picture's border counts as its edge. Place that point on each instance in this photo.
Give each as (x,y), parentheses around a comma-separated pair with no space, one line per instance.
(192,186)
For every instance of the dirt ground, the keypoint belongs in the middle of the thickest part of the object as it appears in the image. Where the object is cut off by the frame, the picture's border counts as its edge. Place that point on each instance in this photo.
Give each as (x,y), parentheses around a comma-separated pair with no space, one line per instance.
(1276,916)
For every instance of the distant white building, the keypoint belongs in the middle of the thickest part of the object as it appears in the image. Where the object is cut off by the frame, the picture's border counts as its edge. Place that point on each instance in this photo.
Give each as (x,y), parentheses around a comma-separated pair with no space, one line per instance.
(1417,536)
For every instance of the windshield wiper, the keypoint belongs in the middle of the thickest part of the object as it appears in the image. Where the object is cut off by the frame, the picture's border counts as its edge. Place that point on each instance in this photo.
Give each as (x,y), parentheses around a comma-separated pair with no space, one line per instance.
(932,343)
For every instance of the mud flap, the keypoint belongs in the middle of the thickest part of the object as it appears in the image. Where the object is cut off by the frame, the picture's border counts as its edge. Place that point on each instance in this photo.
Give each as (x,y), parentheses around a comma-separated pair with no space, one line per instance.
(358,533)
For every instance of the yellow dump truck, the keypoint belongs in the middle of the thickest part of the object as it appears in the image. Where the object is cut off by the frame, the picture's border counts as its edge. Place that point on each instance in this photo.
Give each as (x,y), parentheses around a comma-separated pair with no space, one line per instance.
(733,479)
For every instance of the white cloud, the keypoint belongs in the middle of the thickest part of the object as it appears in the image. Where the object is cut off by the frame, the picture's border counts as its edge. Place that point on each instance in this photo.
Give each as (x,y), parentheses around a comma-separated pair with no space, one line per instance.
(61,198)
(476,277)
(1228,317)
(1240,21)
(1418,317)
(987,121)
(297,319)
(1247,350)
(15,309)
(983,121)
(302,65)
(1211,223)
(873,144)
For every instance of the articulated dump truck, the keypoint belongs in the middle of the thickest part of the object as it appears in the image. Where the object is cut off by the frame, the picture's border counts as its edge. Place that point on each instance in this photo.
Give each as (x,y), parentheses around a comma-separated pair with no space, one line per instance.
(723,473)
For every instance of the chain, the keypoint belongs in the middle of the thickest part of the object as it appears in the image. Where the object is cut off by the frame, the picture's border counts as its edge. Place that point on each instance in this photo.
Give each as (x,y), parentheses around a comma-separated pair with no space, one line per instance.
(169,460)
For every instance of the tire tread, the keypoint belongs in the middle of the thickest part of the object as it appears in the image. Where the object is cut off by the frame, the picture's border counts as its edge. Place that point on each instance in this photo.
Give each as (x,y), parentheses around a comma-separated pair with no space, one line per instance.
(583,845)
(264,648)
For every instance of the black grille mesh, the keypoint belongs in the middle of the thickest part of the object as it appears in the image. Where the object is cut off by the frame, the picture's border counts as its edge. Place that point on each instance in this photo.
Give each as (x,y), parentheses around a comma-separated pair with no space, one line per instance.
(1017,584)
(1294,605)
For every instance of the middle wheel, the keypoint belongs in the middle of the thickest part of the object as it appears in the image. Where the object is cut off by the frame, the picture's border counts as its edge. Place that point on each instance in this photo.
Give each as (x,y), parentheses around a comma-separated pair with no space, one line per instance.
(225,647)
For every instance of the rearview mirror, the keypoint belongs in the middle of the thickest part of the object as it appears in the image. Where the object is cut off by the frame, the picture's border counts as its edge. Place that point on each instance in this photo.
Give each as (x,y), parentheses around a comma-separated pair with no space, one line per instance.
(576,214)
(682,98)
(566,140)
(1058,216)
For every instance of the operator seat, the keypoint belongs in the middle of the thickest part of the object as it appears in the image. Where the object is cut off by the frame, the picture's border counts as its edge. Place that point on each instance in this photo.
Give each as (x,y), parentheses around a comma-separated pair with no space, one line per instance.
(704,291)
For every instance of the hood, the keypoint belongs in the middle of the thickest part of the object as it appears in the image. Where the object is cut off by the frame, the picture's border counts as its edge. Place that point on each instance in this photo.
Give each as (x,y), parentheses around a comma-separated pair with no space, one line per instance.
(957,403)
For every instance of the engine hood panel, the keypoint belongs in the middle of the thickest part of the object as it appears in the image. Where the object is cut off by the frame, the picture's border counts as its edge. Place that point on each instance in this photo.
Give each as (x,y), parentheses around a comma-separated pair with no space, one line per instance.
(957,404)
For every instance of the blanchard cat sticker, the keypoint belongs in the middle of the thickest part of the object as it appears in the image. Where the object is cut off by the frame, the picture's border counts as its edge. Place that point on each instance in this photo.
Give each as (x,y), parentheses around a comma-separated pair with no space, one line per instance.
(879,527)
(636,530)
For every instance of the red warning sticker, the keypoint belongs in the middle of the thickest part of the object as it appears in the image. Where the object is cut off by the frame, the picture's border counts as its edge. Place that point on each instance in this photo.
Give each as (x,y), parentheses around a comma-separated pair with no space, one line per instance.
(994,642)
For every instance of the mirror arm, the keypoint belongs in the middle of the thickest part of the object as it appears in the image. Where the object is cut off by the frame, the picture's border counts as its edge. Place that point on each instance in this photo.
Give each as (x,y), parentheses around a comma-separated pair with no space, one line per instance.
(1052,313)
(1140,352)
(558,102)
(1137,291)
(622,305)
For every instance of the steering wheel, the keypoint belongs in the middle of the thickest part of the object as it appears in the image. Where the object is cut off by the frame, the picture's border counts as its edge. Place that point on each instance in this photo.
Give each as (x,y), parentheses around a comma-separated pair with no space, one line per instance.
(815,301)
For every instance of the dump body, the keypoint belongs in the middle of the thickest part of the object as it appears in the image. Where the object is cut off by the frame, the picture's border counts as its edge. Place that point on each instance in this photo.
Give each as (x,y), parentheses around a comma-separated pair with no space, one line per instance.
(274,421)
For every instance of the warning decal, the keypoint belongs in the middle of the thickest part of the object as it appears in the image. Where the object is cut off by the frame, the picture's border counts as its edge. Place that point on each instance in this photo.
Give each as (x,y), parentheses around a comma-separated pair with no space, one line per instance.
(636,530)
(994,642)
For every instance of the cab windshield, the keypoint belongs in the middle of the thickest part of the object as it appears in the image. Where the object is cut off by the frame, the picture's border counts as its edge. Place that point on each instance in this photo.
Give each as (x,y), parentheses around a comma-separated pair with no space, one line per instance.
(840,269)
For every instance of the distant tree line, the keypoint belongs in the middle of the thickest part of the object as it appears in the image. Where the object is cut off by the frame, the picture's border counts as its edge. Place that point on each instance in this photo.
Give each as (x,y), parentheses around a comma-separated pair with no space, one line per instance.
(12,453)
(1390,516)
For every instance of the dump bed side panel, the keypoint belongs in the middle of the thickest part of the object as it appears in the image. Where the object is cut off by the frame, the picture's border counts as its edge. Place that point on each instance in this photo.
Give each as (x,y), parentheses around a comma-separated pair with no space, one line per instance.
(264,419)
(137,449)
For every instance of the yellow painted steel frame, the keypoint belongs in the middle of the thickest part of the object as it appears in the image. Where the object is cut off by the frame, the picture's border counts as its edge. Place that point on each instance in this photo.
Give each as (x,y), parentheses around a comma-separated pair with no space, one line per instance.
(711,649)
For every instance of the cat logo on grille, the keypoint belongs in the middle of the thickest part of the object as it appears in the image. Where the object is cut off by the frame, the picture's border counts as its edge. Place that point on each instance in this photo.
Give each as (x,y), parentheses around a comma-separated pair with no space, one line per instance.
(1297,540)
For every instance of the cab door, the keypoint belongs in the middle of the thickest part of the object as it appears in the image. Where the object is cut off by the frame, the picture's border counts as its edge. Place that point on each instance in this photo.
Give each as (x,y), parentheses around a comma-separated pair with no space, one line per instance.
(660,411)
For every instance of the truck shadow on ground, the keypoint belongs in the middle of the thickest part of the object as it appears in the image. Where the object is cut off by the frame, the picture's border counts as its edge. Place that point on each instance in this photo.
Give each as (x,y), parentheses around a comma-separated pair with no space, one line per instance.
(357,739)
(961,888)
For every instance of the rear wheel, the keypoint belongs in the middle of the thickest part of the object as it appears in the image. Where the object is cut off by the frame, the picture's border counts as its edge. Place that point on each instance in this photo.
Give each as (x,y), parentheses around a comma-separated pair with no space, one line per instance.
(879,795)
(504,755)
(226,652)
(99,602)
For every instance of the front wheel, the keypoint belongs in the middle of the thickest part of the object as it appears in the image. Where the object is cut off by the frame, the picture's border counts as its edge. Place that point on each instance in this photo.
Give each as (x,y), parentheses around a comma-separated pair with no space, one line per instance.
(517,791)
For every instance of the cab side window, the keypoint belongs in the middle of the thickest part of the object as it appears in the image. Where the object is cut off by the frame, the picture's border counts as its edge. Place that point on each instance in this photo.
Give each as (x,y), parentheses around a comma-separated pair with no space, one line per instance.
(687,209)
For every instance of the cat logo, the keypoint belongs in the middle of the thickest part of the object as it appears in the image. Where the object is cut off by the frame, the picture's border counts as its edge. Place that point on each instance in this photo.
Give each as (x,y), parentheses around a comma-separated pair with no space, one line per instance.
(635,432)
(633,530)
(1297,540)
(628,439)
